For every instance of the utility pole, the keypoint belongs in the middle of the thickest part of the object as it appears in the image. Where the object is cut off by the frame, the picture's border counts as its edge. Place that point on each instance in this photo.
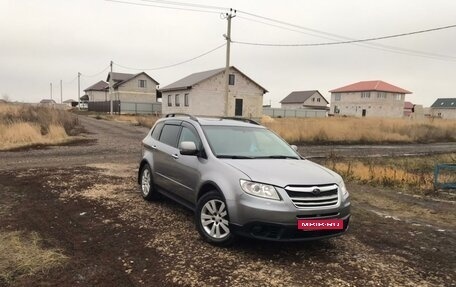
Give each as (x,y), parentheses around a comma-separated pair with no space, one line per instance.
(111,81)
(51,89)
(227,36)
(79,91)
(61,93)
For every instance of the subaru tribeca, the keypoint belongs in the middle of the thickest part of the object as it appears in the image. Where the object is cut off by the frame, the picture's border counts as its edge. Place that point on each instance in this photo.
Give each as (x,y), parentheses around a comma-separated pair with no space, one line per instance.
(241,179)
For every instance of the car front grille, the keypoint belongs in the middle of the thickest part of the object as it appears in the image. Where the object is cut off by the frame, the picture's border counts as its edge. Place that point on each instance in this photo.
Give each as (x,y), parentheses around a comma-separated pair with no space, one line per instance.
(313,195)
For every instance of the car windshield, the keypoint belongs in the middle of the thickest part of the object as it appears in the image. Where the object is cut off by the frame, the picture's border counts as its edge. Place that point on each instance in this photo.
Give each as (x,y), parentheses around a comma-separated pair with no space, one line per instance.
(247,142)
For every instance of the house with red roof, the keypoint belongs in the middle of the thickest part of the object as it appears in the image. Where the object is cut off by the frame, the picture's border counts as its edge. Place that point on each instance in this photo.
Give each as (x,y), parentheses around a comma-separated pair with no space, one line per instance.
(368,99)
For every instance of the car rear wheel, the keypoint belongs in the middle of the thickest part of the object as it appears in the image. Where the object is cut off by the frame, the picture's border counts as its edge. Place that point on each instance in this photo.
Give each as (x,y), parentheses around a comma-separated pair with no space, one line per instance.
(212,220)
(148,191)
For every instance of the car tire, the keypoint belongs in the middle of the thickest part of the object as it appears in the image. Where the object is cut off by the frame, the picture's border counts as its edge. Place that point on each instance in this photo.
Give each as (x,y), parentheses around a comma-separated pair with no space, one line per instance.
(148,190)
(212,219)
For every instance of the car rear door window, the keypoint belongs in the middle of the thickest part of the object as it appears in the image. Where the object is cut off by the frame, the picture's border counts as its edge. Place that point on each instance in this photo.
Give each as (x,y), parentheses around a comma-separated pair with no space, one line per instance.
(169,135)
(157,130)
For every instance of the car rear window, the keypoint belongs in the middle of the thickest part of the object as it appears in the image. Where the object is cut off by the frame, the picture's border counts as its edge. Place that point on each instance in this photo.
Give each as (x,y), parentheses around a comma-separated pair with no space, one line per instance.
(169,135)
(157,130)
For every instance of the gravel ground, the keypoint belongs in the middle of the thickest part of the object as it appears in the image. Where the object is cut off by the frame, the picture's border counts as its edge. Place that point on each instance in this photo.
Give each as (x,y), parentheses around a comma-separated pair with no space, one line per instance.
(84,200)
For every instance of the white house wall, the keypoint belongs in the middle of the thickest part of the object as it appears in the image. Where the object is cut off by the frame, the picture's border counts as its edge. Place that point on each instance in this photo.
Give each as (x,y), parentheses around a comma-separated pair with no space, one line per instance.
(449,114)
(208,97)
(351,104)
(131,92)
(98,96)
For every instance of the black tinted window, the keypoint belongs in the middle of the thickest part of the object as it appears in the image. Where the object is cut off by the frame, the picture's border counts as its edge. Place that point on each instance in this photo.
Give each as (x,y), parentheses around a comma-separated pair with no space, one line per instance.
(169,135)
(157,130)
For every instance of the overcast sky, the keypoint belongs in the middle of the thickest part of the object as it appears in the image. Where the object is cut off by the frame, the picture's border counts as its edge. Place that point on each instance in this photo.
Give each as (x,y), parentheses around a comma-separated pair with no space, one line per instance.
(51,40)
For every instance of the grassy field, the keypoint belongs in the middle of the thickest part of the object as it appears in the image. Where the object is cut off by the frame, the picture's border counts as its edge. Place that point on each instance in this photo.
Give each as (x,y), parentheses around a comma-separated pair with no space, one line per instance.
(362,130)
(411,174)
(23,254)
(145,121)
(26,125)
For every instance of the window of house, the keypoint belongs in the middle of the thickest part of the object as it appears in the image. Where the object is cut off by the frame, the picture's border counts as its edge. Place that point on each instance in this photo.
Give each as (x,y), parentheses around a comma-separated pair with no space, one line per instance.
(337,96)
(186,100)
(381,95)
(177,102)
(365,95)
(318,100)
(313,99)
(142,83)
(398,97)
(231,80)
(170,101)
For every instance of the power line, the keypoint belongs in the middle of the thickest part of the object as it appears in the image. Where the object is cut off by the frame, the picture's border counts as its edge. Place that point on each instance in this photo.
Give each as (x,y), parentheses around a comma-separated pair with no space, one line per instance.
(187,4)
(91,76)
(336,37)
(173,65)
(349,41)
(165,7)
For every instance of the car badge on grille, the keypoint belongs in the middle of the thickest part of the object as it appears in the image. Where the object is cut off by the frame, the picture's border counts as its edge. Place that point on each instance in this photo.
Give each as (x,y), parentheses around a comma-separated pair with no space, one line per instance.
(316,191)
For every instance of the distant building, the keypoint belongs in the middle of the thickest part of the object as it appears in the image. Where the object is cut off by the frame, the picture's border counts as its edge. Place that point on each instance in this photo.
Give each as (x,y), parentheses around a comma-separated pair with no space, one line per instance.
(305,100)
(444,108)
(133,88)
(70,103)
(203,94)
(368,99)
(98,92)
(408,109)
(47,102)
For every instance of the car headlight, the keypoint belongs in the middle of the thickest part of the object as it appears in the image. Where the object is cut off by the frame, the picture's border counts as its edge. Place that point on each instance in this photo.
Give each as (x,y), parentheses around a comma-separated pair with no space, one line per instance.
(259,189)
(343,188)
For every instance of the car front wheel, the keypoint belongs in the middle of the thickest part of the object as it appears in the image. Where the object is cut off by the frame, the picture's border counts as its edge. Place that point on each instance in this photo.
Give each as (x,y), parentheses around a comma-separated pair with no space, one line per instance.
(212,220)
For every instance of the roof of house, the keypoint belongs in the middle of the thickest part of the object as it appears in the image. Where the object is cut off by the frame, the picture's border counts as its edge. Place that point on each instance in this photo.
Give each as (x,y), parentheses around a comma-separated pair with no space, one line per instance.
(100,86)
(69,101)
(120,78)
(196,78)
(47,101)
(448,103)
(300,97)
(371,86)
(408,105)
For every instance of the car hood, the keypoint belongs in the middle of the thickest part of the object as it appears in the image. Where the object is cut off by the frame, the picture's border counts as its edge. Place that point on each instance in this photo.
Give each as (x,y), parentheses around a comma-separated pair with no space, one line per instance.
(283,172)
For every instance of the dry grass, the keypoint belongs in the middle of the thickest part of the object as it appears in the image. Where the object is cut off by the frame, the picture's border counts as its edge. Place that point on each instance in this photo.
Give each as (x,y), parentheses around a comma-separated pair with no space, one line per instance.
(23,254)
(145,121)
(25,125)
(415,174)
(362,130)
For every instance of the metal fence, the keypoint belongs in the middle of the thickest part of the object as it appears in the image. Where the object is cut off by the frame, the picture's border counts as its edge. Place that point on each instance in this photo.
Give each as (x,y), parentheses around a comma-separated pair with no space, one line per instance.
(294,113)
(104,107)
(140,108)
(125,107)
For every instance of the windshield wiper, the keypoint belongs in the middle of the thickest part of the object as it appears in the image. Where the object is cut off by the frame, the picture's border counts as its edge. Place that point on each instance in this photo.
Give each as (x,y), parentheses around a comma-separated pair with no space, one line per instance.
(278,157)
(235,156)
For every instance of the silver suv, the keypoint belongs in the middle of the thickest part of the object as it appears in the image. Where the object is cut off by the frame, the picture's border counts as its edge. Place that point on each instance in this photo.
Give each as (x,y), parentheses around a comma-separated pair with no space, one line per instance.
(240,178)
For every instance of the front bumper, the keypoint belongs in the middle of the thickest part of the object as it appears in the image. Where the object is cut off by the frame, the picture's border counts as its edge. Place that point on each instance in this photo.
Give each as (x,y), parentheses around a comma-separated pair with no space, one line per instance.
(285,232)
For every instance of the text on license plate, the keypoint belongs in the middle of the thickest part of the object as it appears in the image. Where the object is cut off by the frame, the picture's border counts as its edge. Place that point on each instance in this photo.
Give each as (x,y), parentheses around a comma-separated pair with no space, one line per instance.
(320,224)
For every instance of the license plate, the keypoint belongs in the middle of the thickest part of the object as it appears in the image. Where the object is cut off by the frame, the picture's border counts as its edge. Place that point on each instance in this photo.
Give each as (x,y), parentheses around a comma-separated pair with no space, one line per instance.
(320,224)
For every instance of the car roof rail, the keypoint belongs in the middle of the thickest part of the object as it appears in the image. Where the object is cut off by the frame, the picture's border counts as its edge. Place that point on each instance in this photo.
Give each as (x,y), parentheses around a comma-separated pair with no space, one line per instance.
(246,120)
(172,115)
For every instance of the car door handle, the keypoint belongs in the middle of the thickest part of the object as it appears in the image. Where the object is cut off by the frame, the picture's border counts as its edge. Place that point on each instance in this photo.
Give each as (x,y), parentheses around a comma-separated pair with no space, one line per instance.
(175,156)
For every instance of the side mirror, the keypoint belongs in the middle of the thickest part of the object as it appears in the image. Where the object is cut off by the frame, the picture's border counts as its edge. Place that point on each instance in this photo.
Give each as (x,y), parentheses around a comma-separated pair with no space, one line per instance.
(294,147)
(188,148)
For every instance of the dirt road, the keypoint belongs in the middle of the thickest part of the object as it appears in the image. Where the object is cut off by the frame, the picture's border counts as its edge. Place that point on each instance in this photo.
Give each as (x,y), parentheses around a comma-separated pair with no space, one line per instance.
(84,200)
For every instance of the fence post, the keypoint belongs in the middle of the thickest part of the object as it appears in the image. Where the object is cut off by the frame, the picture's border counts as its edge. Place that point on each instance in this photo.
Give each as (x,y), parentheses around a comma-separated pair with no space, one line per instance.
(136,108)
